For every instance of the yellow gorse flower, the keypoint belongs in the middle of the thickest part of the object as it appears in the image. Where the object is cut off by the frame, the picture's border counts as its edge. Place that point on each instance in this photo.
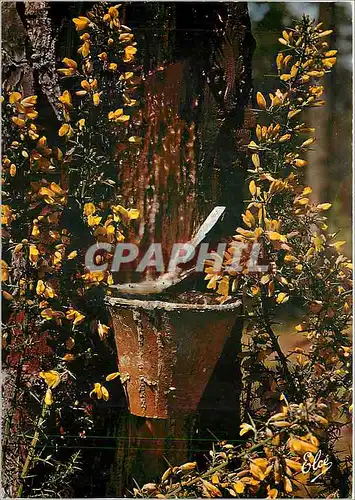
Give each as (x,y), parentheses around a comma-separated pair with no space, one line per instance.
(112,17)
(70,63)
(85,36)
(94,277)
(4,271)
(29,102)
(75,316)
(71,67)
(65,130)
(65,98)
(245,428)
(12,170)
(126,76)
(94,220)
(15,97)
(126,37)
(51,378)
(81,23)
(96,98)
(301,445)
(102,330)
(48,398)
(118,116)
(33,254)
(103,56)
(89,209)
(130,214)
(81,123)
(6,215)
(129,53)
(84,50)
(112,376)
(100,391)
(113,12)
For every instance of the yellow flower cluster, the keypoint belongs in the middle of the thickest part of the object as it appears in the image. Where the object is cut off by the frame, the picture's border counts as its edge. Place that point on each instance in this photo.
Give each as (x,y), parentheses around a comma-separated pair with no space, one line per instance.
(120,40)
(47,252)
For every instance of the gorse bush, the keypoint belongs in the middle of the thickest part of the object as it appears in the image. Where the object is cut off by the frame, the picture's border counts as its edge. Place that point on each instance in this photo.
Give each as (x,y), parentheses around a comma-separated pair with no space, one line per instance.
(286,436)
(60,196)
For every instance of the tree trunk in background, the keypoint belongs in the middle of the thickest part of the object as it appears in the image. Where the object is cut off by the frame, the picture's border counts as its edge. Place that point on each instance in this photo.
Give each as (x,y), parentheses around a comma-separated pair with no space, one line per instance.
(41,44)
(16,68)
(196,61)
(329,171)
(317,175)
(29,60)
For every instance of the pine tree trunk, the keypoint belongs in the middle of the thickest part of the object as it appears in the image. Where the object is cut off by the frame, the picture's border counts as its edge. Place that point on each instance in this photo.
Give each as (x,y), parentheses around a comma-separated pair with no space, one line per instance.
(29,51)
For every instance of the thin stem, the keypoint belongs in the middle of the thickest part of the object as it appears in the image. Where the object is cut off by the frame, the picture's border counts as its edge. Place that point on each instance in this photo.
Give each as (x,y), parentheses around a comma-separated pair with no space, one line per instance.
(276,346)
(31,450)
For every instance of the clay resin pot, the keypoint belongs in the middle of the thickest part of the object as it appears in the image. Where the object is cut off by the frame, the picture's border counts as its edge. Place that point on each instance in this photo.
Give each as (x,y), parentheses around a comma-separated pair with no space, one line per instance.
(167,351)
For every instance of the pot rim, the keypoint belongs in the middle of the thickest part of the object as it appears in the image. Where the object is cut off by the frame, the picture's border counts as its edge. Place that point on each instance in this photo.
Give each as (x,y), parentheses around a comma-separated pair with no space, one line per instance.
(151,305)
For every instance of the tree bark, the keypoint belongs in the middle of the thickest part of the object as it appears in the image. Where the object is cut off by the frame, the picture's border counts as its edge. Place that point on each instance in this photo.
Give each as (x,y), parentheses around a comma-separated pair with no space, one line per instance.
(16,68)
(29,59)
(41,49)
